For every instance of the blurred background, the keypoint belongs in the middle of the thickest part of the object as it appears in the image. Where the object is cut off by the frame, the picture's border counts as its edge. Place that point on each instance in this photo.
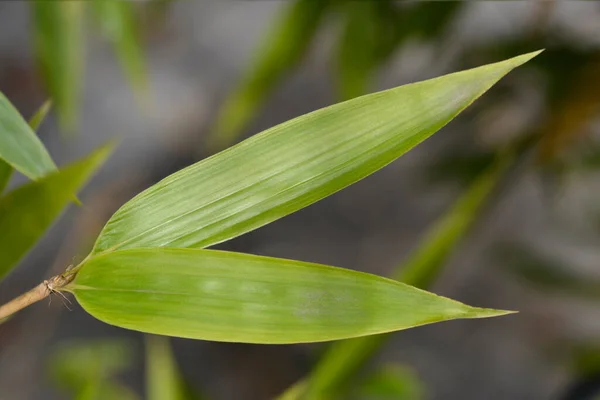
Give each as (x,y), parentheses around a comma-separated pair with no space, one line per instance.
(177,81)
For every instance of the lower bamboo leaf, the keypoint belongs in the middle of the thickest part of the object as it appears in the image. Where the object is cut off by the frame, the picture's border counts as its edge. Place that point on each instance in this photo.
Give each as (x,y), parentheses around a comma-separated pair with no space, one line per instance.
(233,297)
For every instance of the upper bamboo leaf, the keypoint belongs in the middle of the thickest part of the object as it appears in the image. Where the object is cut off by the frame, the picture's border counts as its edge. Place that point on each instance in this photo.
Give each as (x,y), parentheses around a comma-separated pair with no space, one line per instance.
(26,212)
(19,145)
(293,164)
(233,297)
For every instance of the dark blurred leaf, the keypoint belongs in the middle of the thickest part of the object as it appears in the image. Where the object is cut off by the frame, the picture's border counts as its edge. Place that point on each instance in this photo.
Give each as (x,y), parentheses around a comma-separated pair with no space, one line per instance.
(332,377)
(118,22)
(570,116)
(20,146)
(26,212)
(367,39)
(458,168)
(544,273)
(588,161)
(163,381)
(392,382)
(426,20)
(85,368)
(586,358)
(374,30)
(104,390)
(563,66)
(58,37)
(282,49)
(5,174)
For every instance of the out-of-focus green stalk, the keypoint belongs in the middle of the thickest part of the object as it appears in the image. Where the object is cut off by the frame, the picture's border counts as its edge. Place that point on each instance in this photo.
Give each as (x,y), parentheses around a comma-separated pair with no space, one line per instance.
(118,22)
(343,359)
(283,48)
(58,36)
(163,381)
(5,174)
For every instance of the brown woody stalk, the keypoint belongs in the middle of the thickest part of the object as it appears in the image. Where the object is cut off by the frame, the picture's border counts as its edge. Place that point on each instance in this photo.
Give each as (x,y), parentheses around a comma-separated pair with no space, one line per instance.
(40,292)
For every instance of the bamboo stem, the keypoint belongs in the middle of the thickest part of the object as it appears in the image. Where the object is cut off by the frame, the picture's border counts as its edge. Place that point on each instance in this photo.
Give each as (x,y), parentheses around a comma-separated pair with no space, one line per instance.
(36,294)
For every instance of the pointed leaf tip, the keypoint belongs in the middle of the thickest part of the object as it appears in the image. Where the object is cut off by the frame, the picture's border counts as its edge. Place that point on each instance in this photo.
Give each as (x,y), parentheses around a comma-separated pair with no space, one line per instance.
(488,313)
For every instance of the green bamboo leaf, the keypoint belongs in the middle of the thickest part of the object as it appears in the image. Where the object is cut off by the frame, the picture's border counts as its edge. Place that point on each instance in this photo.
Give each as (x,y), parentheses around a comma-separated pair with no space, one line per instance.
(58,37)
(20,146)
(292,165)
(331,378)
(283,48)
(163,381)
(233,297)
(26,212)
(118,22)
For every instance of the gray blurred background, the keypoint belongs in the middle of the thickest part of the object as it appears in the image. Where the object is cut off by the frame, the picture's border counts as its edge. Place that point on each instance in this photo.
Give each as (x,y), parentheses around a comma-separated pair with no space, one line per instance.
(196,53)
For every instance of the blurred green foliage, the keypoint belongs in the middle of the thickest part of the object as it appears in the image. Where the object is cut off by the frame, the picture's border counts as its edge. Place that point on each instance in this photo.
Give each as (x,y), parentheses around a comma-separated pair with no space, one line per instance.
(287,43)
(88,369)
(163,380)
(59,35)
(391,382)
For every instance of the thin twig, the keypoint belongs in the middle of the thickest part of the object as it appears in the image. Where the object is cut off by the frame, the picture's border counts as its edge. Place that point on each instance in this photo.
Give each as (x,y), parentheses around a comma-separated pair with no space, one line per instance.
(36,294)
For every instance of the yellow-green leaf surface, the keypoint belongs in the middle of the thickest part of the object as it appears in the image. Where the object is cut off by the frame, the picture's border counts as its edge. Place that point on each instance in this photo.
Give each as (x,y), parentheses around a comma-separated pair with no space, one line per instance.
(233,297)
(284,47)
(118,22)
(26,212)
(163,381)
(58,36)
(292,165)
(20,146)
